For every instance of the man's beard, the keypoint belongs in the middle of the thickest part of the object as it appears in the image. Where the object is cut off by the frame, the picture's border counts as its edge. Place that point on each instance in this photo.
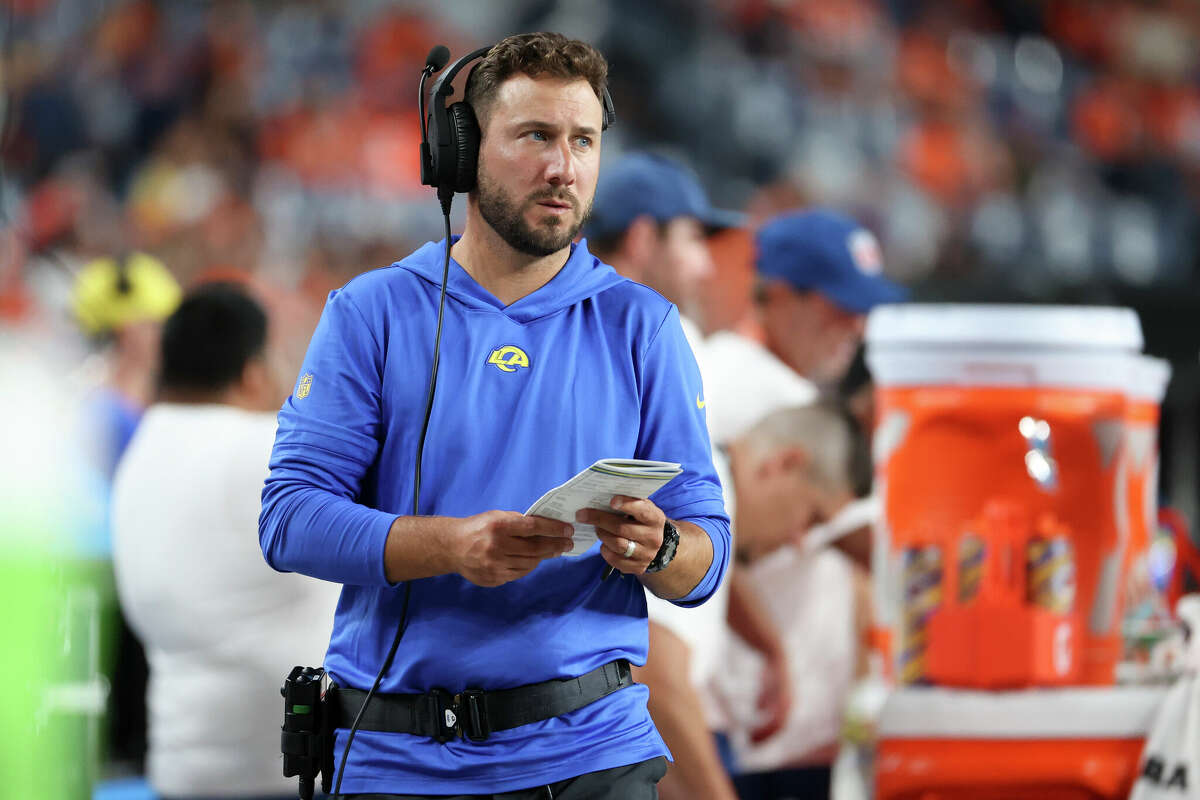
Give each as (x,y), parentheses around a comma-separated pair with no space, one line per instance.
(507,218)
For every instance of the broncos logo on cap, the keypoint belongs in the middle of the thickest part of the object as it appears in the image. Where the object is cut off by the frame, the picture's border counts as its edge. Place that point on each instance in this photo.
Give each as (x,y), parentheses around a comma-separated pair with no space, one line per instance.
(508,358)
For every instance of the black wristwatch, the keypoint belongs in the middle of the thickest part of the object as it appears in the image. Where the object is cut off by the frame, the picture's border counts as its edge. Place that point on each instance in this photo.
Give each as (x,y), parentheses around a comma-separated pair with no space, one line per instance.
(667,552)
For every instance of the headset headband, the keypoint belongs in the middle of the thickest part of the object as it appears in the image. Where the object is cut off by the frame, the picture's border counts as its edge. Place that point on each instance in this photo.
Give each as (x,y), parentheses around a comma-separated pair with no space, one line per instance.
(442,89)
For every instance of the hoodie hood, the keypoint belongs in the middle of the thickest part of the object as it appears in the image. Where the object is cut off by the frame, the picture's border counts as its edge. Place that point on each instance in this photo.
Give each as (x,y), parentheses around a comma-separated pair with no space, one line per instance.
(581,277)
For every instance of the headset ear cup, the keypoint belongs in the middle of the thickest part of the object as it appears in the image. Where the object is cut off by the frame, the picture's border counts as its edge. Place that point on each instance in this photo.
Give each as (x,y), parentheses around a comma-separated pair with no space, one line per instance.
(464,132)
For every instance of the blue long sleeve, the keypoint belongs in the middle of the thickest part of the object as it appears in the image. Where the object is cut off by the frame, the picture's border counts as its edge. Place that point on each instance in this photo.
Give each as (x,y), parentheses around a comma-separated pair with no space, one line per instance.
(673,429)
(312,521)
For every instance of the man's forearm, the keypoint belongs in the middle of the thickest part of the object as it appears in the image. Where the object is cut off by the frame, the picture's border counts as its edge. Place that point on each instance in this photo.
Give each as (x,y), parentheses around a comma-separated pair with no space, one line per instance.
(488,549)
(419,547)
(748,617)
(692,560)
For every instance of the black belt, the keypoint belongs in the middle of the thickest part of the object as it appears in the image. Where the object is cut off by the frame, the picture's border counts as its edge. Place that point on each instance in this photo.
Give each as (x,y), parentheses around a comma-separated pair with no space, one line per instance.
(474,713)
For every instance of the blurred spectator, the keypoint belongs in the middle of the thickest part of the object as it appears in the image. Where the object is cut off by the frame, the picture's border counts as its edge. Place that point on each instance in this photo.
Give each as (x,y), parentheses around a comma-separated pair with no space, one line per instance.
(819,273)
(793,467)
(220,627)
(120,303)
(650,220)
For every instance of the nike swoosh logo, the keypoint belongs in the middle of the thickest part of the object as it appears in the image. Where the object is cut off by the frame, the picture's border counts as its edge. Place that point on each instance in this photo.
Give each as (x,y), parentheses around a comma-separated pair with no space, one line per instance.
(700,404)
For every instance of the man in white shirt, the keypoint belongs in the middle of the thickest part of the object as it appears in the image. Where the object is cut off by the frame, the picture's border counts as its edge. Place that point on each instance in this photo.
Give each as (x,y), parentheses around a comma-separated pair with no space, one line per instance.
(651,220)
(221,628)
(819,272)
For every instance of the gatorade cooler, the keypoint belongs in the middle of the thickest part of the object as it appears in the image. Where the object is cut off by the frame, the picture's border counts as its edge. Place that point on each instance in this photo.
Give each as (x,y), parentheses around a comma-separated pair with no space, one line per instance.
(1019,405)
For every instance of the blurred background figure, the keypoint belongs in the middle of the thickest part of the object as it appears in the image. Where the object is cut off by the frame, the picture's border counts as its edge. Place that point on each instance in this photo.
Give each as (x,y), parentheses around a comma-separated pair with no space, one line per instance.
(220,627)
(119,303)
(651,220)
(818,274)
(792,470)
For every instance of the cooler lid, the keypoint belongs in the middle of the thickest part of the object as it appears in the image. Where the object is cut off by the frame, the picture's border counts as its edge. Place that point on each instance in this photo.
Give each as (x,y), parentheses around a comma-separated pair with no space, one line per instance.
(1068,713)
(1149,377)
(1004,326)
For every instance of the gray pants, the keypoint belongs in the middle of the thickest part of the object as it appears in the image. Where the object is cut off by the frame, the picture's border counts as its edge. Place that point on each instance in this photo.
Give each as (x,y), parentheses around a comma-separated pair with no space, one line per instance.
(634,782)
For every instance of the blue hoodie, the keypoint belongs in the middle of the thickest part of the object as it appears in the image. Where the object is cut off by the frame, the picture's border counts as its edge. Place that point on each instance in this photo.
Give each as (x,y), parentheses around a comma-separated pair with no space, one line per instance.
(609,374)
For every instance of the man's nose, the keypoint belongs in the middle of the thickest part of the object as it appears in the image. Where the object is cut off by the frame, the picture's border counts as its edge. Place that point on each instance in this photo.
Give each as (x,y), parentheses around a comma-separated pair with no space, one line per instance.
(560,164)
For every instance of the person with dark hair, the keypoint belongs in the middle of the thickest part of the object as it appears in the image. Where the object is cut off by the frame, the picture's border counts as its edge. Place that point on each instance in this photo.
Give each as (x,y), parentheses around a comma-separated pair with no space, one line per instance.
(513,671)
(219,626)
(215,340)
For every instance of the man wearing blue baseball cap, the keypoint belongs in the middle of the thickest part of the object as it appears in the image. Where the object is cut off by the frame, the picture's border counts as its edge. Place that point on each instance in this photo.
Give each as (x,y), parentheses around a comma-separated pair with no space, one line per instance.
(819,272)
(651,220)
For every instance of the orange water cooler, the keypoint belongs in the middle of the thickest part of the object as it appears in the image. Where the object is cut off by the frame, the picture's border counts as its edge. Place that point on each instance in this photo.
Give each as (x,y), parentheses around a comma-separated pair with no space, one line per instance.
(1003,465)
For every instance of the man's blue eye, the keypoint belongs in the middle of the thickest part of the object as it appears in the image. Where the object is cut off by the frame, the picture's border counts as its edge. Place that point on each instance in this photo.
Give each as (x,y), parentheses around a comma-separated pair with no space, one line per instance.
(539,135)
(584,141)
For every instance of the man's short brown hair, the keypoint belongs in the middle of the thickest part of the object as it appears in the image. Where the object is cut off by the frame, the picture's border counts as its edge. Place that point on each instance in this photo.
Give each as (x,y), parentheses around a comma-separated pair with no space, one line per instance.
(534,54)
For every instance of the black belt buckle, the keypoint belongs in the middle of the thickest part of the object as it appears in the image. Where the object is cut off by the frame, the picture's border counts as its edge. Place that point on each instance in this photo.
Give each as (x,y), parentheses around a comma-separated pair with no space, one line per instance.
(458,715)
(473,719)
(443,712)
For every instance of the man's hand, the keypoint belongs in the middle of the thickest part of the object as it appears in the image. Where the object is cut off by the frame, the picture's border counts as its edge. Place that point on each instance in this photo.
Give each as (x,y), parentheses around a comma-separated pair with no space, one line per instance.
(635,521)
(774,698)
(496,547)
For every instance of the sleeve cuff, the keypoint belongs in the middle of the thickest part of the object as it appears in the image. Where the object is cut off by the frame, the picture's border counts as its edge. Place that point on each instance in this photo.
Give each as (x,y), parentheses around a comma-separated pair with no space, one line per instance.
(717,529)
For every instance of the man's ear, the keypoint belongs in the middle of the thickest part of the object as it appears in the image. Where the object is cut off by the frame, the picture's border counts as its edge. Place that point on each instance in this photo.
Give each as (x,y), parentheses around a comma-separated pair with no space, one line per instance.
(641,241)
(784,459)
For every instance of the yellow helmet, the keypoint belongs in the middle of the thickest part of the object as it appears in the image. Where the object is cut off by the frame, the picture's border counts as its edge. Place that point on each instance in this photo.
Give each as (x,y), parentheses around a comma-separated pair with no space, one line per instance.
(110,293)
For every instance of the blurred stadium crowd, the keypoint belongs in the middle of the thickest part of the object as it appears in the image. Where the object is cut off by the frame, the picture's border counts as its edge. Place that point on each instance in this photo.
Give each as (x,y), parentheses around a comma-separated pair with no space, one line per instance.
(1000,149)
(1048,147)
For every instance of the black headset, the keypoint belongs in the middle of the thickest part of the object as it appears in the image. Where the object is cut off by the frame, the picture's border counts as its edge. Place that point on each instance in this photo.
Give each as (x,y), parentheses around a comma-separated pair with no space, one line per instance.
(450,135)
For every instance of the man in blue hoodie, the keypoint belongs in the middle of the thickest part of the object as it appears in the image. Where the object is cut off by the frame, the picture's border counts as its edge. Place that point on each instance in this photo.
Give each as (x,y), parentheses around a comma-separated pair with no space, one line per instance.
(549,361)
